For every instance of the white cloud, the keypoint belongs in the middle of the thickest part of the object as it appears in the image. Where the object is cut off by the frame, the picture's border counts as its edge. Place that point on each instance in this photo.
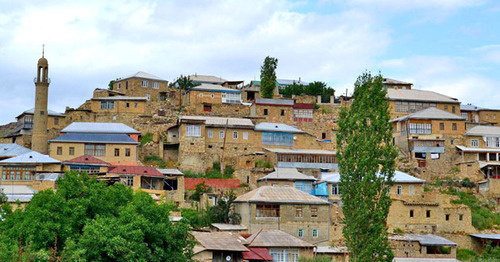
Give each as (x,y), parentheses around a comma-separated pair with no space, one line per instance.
(489,53)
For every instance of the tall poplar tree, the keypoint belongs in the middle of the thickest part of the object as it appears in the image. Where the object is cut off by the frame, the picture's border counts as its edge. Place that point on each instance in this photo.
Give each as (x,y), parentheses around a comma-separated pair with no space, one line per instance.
(367,162)
(268,77)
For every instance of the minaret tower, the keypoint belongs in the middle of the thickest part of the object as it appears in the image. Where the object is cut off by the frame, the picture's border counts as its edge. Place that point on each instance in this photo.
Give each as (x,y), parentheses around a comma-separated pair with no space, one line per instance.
(39,136)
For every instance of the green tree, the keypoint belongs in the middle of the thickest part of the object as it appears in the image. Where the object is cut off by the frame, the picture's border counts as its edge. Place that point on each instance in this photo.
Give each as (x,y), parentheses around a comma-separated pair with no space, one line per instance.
(222,212)
(315,88)
(268,77)
(184,83)
(367,163)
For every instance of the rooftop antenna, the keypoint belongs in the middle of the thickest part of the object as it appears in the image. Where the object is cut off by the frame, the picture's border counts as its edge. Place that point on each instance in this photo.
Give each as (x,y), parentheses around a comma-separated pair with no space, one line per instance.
(43,50)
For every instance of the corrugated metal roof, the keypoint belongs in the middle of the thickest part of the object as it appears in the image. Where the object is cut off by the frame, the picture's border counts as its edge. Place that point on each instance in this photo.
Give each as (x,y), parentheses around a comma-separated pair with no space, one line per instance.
(170,171)
(95,138)
(287,174)
(214,88)
(276,102)
(484,131)
(31,157)
(277,194)
(257,254)
(303,106)
(143,75)
(223,241)
(300,151)
(32,110)
(88,160)
(12,149)
(275,238)
(487,236)
(477,149)
(18,192)
(399,177)
(229,227)
(206,79)
(470,107)
(126,98)
(221,121)
(277,127)
(99,127)
(418,95)
(391,81)
(424,239)
(332,250)
(135,170)
(430,113)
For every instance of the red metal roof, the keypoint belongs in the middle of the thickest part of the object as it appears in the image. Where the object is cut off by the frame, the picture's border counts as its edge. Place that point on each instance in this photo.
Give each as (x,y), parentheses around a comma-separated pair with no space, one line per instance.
(190,183)
(87,159)
(303,106)
(257,253)
(135,170)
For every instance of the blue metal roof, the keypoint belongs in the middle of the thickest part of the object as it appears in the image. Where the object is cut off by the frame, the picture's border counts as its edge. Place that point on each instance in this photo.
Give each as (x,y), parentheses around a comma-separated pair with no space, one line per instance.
(12,149)
(95,138)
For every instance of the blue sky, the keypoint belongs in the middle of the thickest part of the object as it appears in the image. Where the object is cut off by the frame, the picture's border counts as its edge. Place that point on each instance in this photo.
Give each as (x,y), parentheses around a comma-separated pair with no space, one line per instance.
(448,46)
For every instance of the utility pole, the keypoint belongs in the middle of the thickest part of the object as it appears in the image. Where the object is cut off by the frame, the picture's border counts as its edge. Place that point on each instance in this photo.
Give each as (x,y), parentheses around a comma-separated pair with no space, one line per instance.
(222,166)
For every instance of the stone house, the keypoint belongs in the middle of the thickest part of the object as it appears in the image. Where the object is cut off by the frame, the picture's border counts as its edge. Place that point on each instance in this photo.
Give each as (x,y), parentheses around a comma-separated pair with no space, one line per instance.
(219,247)
(288,177)
(202,98)
(302,159)
(406,101)
(283,247)
(280,135)
(110,142)
(173,185)
(273,110)
(429,136)
(427,246)
(214,80)
(475,115)
(118,105)
(285,208)
(142,84)
(396,84)
(87,164)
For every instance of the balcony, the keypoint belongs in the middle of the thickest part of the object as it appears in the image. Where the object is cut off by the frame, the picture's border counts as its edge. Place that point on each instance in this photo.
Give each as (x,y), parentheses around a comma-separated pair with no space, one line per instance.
(427,146)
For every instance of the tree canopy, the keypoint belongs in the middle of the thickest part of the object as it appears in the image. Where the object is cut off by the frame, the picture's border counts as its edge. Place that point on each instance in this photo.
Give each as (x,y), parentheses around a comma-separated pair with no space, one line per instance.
(268,77)
(367,162)
(316,88)
(87,220)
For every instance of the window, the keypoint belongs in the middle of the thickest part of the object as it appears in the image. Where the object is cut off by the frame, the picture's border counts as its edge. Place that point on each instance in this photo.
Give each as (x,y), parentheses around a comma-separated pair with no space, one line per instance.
(107,105)
(193,130)
(460,217)
(127,105)
(492,141)
(298,212)
(119,85)
(335,190)
(135,105)
(156,85)
(314,233)
(268,211)
(452,141)
(323,135)
(304,186)
(210,133)
(59,150)
(301,233)
(71,151)
(231,98)
(314,212)
(412,213)
(117,152)
(454,126)
(114,117)
(127,151)
(201,95)
(427,213)
(245,135)
(95,149)
(265,111)
(411,190)
(56,121)
(18,173)
(221,134)
(144,83)
(207,108)
(447,217)
(235,135)
(282,112)
(284,254)
(453,110)
(212,96)
(399,190)
(277,138)
(148,97)
(446,107)
(42,112)
(441,126)
(126,85)
(129,180)
(420,128)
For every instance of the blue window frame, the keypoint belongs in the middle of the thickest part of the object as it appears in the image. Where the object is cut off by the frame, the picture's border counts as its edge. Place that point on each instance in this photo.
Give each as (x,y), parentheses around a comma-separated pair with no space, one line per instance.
(277,138)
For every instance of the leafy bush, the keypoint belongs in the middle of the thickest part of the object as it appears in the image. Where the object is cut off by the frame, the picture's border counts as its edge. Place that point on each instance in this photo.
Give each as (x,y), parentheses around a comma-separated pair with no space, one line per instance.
(316,259)
(262,164)
(200,190)
(398,231)
(146,138)
(482,215)
(154,160)
(464,254)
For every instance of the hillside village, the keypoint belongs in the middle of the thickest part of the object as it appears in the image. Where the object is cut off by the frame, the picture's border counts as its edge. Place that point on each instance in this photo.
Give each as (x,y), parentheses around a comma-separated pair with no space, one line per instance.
(192,146)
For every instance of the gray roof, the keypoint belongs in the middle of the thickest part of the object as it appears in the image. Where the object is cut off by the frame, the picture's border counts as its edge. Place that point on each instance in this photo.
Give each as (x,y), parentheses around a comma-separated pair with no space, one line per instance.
(430,113)
(418,95)
(114,98)
(280,194)
(143,75)
(478,149)
(32,111)
(391,81)
(486,236)
(484,131)
(214,88)
(275,238)
(399,177)
(291,81)
(95,138)
(31,157)
(224,241)
(287,174)
(331,250)
(278,102)
(18,192)
(170,171)
(12,149)
(277,127)
(206,79)
(471,107)
(99,127)
(221,121)
(300,151)
(424,239)
(229,227)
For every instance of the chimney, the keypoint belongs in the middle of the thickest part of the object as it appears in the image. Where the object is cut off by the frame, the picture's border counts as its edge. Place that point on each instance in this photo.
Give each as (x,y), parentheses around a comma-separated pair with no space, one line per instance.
(318,99)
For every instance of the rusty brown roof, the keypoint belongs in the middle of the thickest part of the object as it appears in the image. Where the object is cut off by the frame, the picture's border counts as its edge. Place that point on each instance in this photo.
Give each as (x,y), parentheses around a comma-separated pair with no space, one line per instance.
(224,241)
